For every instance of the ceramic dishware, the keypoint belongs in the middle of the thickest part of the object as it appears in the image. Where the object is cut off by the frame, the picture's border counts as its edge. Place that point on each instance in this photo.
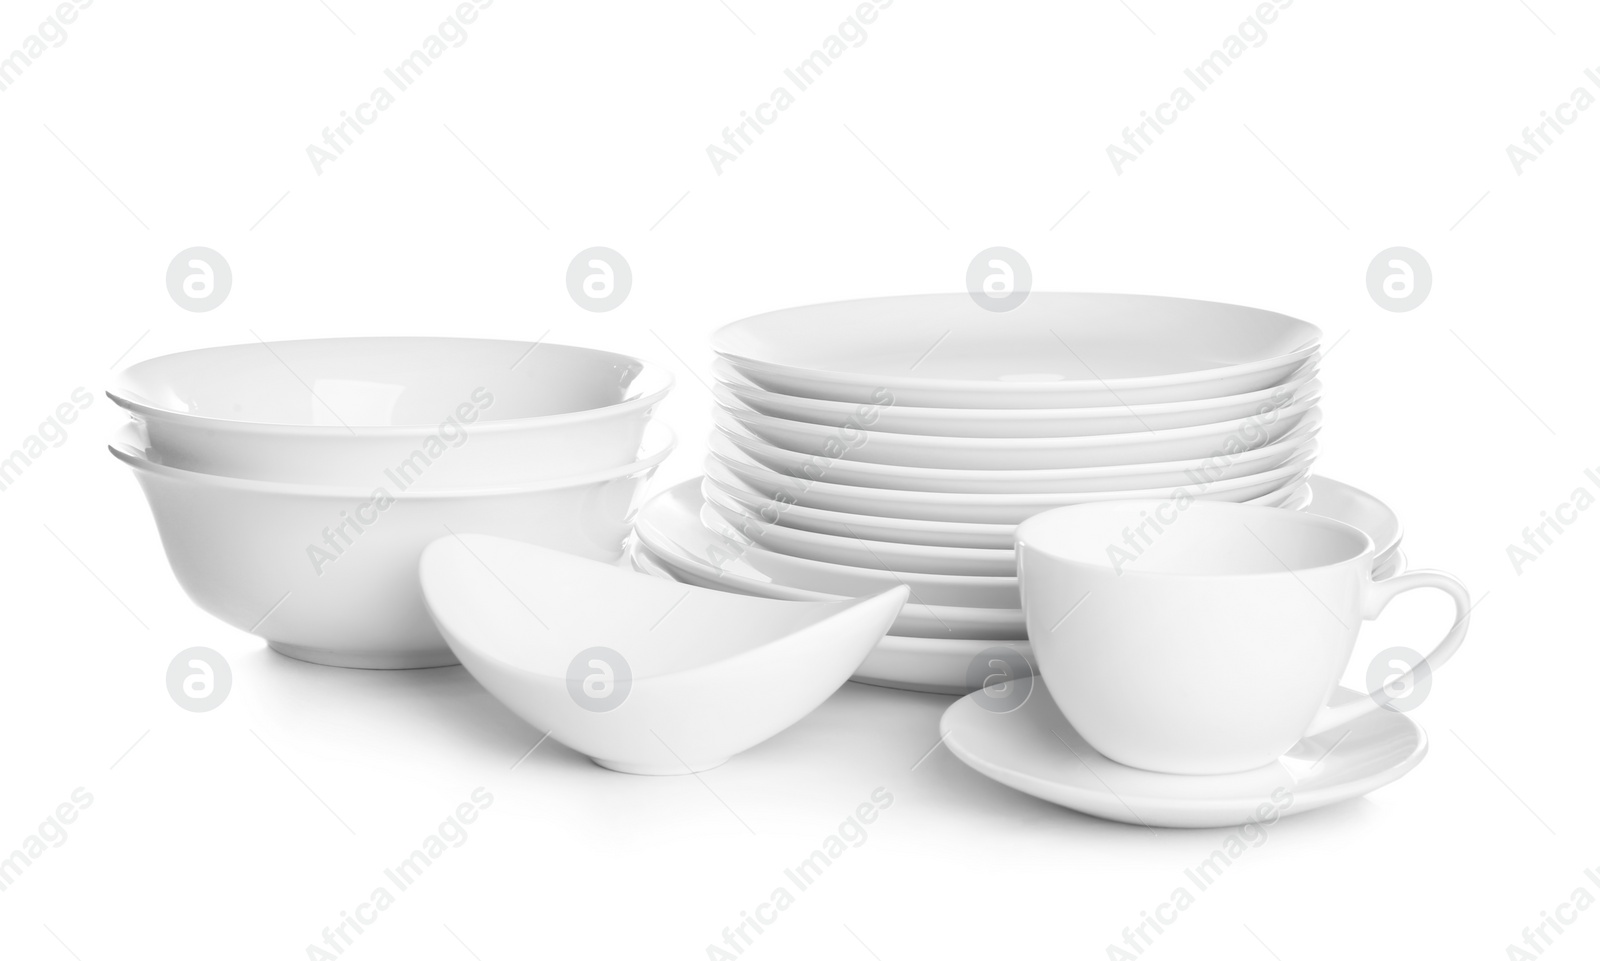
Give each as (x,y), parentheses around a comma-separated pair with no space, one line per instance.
(933,665)
(730,437)
(643,675)
(733,390)
(1026,453)
(1051,350)
(406,413)
(328,574)
(670,527)
(985,508)
(1205,640)
(777,506)
(1035,750)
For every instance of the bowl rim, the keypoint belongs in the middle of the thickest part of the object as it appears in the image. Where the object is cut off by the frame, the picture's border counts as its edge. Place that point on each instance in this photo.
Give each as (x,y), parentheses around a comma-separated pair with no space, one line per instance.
(648,389)
(125,447)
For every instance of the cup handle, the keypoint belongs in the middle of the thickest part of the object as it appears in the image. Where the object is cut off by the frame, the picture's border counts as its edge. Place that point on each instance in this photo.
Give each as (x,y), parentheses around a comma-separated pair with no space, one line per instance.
(1378,595)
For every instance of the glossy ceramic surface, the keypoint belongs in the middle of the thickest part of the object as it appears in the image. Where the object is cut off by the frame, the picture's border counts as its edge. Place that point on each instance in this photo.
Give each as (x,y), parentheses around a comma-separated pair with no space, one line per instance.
(1033,749)
(1052,350)
(1205,640)
(1026,453)
(983,508)
(669,527)
(643,675)
(328,574)
(733,390)
(731,439)
(416,413)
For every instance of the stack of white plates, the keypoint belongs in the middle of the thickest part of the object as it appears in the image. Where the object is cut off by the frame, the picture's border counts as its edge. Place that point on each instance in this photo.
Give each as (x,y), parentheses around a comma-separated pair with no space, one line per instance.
(865,444)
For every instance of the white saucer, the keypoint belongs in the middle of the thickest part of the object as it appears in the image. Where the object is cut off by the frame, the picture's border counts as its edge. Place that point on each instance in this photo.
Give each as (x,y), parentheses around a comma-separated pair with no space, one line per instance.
(1034,750)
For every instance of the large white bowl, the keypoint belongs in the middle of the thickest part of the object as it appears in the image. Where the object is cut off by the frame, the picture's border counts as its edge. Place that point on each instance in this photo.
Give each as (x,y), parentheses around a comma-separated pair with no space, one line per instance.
(329,575)
(643,675)
(887,414)
(990,508)
(782,509)
(1053,350)
(1026,453)
(409,413)
(730,438)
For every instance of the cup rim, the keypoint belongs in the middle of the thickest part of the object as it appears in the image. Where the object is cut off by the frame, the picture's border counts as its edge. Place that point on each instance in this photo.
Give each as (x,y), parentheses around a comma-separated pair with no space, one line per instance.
(1025,542)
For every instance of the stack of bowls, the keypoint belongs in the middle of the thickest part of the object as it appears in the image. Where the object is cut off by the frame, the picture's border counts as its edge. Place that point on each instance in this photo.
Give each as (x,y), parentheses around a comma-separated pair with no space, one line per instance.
(295,484)
(863,444)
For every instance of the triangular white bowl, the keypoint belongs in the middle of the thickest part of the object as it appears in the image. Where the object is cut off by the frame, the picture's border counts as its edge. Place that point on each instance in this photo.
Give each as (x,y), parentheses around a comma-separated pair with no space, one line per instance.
(642,674)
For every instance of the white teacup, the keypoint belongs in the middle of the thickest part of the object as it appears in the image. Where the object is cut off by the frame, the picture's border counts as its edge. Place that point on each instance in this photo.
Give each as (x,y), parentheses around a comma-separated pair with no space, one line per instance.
(1205,638)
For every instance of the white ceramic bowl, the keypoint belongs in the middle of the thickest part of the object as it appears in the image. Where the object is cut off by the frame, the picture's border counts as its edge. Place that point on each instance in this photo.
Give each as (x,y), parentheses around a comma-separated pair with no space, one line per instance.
(408,413)
(1025,453)
(1052,350)
(643,675)
(730,438)
(886,414)
(329,575)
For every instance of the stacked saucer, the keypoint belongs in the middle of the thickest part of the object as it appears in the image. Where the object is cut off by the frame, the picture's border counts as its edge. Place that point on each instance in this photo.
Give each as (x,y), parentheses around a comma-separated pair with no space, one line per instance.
(865,444)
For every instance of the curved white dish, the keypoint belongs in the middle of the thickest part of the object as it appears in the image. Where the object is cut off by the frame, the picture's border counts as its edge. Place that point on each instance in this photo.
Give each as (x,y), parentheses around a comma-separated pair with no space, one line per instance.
(781,509)
(984,508)
(1025,453)
(419,413)
(669,527)
(1053,350)
(642,675)
(1034,750)
(885,414)
(729,437)
(326,574)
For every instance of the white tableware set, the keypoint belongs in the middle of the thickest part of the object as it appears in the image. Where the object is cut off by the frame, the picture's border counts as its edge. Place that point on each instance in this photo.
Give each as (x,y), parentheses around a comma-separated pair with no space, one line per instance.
(1111,492)
(870,443)
(295,484)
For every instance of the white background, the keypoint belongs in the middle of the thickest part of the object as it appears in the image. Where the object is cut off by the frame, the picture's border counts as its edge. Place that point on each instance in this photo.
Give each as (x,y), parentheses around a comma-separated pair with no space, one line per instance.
(1354,127)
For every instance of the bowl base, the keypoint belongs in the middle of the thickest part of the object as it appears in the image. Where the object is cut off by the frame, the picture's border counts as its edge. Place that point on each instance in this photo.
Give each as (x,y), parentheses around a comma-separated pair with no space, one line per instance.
(373,661)
(659,770)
